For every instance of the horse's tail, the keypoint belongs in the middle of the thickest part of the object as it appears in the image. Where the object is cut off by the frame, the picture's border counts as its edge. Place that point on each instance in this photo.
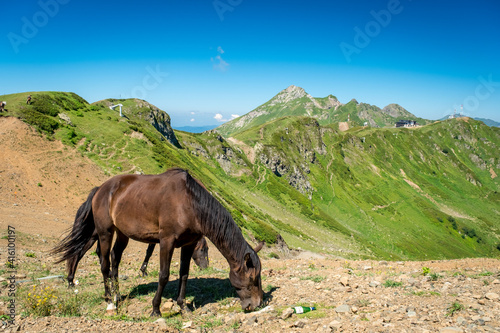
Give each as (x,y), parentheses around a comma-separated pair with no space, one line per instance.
(83,228)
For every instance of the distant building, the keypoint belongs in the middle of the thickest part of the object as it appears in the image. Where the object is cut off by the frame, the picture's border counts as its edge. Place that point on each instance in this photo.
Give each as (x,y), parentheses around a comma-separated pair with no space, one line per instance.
(406,123)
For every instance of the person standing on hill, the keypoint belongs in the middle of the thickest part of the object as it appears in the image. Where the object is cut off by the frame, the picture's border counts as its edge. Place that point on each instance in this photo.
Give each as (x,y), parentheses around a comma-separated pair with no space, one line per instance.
(28,100)
(2,106)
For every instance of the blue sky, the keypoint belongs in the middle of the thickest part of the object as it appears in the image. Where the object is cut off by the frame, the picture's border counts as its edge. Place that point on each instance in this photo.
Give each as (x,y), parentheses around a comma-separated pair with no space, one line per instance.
(204,61)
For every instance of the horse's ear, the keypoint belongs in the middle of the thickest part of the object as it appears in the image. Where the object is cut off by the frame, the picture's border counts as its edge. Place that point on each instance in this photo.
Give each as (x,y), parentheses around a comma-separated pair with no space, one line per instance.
(259,247)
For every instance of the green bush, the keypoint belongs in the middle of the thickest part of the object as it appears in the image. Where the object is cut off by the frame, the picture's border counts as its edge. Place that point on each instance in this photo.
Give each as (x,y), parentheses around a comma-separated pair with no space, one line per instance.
(40,121)
(45,105)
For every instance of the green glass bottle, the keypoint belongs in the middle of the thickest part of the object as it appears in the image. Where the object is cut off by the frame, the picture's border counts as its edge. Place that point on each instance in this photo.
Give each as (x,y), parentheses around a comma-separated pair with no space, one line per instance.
(303,309)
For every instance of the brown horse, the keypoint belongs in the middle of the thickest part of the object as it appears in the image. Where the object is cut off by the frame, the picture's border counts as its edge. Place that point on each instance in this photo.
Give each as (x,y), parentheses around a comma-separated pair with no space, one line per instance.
(172,209)
(200,257)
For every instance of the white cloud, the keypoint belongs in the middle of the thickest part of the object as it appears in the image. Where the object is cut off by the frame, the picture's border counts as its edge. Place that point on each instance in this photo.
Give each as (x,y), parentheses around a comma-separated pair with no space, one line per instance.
(193,113)
(192,119)
(220,117)
(218,63)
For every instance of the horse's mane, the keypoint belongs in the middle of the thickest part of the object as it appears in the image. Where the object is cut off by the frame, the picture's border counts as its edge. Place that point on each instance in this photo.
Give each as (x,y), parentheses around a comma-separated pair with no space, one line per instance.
(216,222)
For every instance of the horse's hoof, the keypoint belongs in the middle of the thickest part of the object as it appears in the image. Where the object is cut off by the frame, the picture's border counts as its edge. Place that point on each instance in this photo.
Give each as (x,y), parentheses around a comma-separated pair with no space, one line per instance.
(186,309)
(155,314)
(111,309)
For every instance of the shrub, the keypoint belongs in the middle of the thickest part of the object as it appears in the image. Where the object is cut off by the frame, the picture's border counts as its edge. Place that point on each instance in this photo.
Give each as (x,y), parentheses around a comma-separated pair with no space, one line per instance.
(39,121)
(40,301)
(45,104)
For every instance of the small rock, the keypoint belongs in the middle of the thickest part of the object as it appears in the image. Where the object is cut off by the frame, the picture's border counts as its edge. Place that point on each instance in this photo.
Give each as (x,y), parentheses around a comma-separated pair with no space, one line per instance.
(343,308)
(335,324)
(480,322)
(450,330)
(161,322)
(367,268)
(167,306)
(287,313)
(300,323)
(251,320)
(496,281)
(187,324)
(492,296)
(344,281)
(374,284)
(411,314)
(461,321)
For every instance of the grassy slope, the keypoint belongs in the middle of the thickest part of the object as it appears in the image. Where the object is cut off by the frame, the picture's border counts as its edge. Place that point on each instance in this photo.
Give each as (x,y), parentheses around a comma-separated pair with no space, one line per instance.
(364,181)
(363,203)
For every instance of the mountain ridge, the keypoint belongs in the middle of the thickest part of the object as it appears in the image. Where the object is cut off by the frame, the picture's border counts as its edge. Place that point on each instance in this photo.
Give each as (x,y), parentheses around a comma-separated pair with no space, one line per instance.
(367,192)
(295,101)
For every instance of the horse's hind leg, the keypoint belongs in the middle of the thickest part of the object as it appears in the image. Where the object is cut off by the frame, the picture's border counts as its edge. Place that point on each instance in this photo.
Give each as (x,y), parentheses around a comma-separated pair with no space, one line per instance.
(121,243)
(186,253)
(166,251)
(149,252)
(105,239)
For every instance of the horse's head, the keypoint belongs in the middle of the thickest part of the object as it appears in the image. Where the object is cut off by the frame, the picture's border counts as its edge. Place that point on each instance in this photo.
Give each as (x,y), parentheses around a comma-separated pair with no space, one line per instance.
(200,254)
(246,280)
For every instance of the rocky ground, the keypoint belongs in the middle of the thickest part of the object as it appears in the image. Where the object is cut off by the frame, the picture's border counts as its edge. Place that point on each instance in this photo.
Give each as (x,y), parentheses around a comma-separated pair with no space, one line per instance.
(38,196)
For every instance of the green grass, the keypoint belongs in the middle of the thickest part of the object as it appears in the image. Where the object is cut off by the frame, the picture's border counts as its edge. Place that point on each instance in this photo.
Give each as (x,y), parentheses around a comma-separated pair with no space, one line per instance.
(378,193)
(454,308)
(392,284)
(315,278)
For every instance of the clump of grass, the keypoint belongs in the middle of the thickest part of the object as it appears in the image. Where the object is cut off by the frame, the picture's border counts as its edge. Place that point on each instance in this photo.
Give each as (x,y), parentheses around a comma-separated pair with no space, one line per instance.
(454,308)
(391,283)
(30,254)
(315,278)
(273,255)
(426,271)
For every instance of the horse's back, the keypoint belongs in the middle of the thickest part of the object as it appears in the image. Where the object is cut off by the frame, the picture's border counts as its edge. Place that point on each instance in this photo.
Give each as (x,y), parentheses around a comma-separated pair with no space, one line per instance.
(141,206)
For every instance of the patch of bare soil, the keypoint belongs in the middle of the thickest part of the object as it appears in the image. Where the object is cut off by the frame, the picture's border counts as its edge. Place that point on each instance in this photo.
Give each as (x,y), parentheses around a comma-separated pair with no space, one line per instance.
(349,296)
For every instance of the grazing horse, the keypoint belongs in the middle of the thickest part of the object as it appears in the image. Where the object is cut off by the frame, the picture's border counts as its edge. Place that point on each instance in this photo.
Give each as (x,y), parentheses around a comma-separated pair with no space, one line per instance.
(200,255)
(172,209)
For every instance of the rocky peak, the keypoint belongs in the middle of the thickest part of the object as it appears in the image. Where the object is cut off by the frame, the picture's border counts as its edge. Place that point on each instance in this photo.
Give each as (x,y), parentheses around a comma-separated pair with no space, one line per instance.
(395,110)
(289,94)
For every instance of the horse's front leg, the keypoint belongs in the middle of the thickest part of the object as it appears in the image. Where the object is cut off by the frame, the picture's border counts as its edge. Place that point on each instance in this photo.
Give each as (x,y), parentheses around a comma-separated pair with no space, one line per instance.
(166,251)
(186,253)
(149,252)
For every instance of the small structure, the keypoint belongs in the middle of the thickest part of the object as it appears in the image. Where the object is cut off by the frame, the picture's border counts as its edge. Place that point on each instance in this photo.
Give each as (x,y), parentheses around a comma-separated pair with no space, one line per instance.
(112,107)
(406,123)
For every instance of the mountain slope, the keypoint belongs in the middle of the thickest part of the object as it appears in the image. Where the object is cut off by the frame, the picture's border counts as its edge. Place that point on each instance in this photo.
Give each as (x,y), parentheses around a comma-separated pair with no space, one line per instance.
(428,192)
(295,101)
